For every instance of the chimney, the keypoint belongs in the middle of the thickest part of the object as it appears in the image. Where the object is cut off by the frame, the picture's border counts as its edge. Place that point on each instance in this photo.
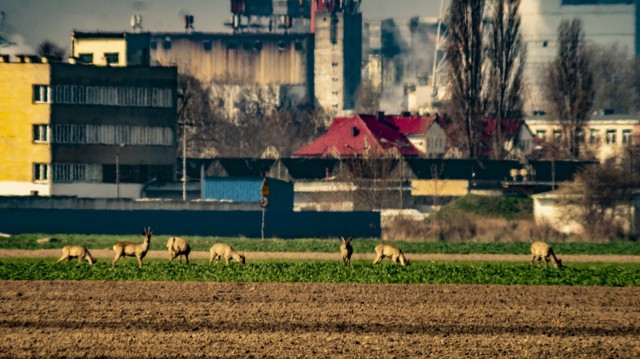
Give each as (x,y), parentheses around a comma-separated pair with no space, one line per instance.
(188,23)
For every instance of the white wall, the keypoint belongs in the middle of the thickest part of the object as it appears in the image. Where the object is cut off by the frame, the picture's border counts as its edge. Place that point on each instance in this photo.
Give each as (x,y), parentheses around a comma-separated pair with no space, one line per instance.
(96,190)
(24,188)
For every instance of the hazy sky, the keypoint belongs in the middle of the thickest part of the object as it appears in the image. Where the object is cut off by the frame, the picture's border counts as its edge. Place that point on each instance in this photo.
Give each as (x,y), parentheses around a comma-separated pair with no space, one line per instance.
(31,21)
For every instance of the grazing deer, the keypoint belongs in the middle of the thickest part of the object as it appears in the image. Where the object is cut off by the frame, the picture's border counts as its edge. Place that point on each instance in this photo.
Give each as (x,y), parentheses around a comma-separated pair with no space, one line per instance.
(178,247)
(79,252)
(541,250)
(346,251)
(225,251)
(130,249)
(384,250)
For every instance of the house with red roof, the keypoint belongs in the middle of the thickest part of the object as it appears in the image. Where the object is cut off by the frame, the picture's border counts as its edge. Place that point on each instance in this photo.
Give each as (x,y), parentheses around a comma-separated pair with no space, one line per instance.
(360,135)
(516,133)
(426,133)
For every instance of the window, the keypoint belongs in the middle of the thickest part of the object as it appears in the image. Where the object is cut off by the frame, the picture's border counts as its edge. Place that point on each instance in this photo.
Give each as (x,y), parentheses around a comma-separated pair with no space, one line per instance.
(40,172)
(85,58)
(611,136)
(166,44)
(112,58)
(41,94)
(626,137)
(545,43)
(40,133)
(67,172)
(153,45)
(557,135)
(541,133)
(594,136)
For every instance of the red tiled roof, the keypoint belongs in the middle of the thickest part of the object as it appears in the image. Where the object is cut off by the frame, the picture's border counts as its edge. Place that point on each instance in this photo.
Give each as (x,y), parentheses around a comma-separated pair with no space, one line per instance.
(357,135)
(411,125)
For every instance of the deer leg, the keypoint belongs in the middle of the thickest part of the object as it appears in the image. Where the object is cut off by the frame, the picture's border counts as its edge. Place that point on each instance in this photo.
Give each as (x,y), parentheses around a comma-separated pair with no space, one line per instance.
(80,258)
(546,260)
(61,259)
(139,261)
(217,259)
(533,259)
(186,258)
(115,259)
(227,259)
(378,259)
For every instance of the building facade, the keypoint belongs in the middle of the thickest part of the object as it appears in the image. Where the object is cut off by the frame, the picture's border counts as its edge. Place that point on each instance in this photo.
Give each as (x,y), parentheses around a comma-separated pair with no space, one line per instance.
(604,136)
(86,131)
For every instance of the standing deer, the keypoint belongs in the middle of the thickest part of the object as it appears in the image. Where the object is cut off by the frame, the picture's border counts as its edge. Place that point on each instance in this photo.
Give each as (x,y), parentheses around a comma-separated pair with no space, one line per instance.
(74,251)
(130,249)
(384,250)
(541,250)
(225,251)
(346,251)
(178,247)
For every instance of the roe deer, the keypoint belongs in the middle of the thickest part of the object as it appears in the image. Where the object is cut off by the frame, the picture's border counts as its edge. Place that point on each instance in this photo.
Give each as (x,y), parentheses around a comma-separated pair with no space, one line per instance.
(130,249)
(225,251)
(74,251)
(541,250)
(346,251)
(384,250)
(178,247)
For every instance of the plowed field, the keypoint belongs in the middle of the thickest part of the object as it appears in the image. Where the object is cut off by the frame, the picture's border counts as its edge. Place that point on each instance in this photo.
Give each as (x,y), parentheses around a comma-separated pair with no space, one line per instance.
(178,319)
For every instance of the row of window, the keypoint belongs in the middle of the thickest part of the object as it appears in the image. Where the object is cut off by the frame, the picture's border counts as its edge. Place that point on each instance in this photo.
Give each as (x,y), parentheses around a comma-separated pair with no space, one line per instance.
(611,136)
(207,45)
(103,134)
(100,173)
(103,95)
(109,58)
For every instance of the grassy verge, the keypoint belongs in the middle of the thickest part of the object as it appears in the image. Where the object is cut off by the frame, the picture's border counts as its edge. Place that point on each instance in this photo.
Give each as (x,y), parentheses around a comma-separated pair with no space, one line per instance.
(328,272)
(28,241)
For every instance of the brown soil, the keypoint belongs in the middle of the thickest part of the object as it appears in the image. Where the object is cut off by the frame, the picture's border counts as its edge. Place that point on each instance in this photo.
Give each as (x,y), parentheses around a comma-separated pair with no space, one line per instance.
(106,253)
(180,319)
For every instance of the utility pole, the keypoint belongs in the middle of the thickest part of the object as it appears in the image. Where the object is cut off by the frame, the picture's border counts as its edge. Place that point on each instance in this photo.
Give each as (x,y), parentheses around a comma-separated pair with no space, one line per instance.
(184,125)
(118,169)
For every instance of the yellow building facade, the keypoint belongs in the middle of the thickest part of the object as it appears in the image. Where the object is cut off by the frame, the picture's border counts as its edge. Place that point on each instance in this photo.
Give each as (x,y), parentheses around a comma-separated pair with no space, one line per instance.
(21,156)
(101,51)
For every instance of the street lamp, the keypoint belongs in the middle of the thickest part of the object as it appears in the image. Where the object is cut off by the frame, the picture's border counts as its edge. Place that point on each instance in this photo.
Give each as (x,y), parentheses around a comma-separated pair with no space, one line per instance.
(184,124)
(121,145)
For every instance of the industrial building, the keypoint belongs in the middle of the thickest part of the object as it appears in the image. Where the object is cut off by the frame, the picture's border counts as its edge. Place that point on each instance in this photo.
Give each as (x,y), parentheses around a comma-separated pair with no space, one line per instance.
(312,46)
(605,22)
(85,131)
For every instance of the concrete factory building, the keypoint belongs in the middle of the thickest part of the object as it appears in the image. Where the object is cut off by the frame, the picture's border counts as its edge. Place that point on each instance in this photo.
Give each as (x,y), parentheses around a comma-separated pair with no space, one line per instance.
(312,46)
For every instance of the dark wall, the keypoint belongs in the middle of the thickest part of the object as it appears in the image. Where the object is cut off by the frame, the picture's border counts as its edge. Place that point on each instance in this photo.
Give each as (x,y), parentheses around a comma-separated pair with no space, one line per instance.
(279,224)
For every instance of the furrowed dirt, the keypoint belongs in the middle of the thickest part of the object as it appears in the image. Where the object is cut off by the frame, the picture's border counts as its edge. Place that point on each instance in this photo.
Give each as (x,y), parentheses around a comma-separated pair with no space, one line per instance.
(178,319)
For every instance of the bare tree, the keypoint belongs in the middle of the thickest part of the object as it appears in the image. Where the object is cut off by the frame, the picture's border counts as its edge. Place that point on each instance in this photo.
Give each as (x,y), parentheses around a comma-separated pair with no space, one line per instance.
(51,50)
(600,193)
(464,23)
(195,107)
(614,77)
(367,98)
(569,85)
(506,54)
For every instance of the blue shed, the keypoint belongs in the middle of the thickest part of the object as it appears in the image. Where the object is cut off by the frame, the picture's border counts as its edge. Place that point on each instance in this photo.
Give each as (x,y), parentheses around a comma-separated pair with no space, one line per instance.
(247,190)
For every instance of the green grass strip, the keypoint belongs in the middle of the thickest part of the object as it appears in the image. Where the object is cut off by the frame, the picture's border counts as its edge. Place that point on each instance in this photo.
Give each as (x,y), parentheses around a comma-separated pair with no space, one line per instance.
(592,274)
(158,242)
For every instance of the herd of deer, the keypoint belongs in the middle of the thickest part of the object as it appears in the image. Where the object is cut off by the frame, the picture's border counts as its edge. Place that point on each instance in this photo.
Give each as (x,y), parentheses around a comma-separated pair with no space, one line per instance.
(178,247)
